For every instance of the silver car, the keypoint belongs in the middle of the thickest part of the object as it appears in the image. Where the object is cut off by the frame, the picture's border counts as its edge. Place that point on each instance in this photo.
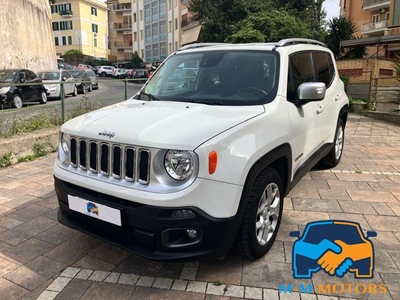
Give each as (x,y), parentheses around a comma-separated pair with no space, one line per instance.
(52,79)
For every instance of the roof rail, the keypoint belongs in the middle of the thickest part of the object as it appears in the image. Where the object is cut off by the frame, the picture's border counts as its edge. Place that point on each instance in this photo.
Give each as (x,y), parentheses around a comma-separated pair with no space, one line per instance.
(287,42)
(200,45)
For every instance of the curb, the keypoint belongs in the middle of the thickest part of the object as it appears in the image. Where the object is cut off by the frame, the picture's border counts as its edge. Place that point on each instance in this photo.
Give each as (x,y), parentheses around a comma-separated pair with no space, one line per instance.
(22,144)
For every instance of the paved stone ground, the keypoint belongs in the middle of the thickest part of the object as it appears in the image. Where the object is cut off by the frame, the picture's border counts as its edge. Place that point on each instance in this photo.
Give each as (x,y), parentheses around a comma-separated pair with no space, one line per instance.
(42,259)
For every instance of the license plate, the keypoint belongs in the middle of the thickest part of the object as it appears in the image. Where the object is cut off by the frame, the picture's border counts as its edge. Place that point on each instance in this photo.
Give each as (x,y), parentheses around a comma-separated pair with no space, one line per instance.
(95,210)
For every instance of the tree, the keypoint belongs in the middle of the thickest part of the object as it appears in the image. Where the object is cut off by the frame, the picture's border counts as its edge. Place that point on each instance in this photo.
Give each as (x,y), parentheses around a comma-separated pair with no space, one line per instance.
(218,17)
(73,56)
(341,29)
(268,26)
(136,60)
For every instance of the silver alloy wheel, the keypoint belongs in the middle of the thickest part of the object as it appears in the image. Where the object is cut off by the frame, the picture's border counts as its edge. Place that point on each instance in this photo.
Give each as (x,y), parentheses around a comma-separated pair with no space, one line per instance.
(43,97)
(339,142)
(75,91)
(268,213)
(17,101)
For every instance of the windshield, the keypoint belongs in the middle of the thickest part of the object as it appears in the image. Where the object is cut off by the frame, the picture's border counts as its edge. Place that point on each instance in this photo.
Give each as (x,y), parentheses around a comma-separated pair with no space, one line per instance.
(76,74)
(7,76)
(49,75)
(347,233)
(234,77)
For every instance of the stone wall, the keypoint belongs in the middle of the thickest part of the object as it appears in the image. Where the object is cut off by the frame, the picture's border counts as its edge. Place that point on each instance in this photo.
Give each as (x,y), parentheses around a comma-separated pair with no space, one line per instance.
(26,35)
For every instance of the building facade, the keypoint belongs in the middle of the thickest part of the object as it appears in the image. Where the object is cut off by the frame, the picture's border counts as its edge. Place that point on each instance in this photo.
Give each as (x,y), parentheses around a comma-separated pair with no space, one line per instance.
(26,36)
(373,19)
(190,29)
(150,27)
(81,25)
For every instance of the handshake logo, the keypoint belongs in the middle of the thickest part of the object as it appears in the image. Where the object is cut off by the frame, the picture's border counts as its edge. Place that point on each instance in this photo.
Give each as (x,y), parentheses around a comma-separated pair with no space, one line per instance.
(337,247)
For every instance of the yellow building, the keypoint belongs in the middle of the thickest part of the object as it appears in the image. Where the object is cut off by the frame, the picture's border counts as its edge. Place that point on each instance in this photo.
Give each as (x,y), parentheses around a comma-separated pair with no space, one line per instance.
(81,25)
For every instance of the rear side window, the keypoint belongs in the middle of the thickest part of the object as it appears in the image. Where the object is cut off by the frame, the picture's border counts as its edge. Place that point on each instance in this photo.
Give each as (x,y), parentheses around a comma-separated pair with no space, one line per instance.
(324,70)
(300,70)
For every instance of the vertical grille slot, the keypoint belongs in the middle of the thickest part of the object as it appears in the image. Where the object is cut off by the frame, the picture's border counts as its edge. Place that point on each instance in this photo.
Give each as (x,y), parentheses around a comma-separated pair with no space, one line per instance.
(144,166)
(130,164)
(73,152)
(82,154)
(104,159)
(116,161)
(93,157)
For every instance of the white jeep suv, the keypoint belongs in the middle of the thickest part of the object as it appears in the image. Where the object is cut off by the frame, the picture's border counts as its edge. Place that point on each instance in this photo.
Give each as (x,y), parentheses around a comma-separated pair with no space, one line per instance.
(196,163)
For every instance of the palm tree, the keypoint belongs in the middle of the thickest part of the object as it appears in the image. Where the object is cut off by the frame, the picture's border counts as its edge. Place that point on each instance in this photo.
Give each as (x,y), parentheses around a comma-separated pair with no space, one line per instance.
(339,29)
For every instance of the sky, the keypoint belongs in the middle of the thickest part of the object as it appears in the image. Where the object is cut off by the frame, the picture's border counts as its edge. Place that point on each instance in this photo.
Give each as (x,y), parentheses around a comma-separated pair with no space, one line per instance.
(332,8)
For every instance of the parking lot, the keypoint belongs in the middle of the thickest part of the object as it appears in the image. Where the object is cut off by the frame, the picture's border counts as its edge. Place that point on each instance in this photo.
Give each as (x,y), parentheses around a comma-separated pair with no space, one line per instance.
(40,258)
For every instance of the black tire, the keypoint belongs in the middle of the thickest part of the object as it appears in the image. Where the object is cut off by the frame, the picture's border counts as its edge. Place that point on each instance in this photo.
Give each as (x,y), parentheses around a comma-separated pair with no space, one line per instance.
(103,74)
(247,242)
(332,159)
(43,97)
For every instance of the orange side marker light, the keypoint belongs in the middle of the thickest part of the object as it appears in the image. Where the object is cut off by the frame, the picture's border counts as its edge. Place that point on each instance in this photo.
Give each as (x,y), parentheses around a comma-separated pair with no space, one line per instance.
(212,162)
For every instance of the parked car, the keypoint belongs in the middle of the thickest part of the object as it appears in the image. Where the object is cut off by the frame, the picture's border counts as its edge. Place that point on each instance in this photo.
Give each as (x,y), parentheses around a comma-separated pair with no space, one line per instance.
(52,80)
(16,96)
(179,174)
(93,78)
(105,71)
(140,74)
(119,73)
(128,73)
(82,75)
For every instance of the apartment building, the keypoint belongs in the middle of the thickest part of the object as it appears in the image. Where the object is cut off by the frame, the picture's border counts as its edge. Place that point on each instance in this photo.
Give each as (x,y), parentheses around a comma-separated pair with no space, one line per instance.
(150,27)
(376,20)
(81,25)
(190,29)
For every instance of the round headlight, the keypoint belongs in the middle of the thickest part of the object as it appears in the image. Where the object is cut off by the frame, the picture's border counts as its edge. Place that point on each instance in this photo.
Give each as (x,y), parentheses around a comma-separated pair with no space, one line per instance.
(65,143)
(178,164)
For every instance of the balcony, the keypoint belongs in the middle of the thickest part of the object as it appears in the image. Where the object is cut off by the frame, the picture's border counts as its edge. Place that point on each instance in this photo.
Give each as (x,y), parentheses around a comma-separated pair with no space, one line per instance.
(375,4)
(373,28)
(188,23)
(123,26)
(65,13)
(123,45)
(120,8)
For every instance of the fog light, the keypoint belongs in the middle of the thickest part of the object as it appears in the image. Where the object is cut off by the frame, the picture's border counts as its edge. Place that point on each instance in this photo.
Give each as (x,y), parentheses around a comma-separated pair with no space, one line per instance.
(192,233)
(183,213)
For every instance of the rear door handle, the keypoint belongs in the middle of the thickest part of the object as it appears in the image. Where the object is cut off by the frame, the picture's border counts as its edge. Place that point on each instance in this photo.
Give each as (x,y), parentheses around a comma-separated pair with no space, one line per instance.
(320,109)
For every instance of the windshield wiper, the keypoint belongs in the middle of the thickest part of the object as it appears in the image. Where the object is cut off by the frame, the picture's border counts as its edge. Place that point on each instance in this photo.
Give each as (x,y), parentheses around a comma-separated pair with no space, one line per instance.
(204,102)
(151,97)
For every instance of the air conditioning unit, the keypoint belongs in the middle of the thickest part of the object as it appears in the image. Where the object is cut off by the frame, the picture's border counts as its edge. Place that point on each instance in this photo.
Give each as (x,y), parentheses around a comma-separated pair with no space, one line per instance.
(382,10)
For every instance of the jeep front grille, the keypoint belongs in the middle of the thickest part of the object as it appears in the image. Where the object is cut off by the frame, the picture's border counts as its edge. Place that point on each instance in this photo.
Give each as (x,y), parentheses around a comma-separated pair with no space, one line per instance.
(111,160)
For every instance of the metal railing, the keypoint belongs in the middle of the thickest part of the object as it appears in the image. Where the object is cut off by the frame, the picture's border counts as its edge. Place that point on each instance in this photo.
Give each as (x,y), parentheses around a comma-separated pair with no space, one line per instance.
(65,13)
(122,25)
(374,25)
(62,88)
(368,3)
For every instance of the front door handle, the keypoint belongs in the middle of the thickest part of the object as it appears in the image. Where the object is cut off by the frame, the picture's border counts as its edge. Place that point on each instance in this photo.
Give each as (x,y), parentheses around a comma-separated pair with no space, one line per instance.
(320,109)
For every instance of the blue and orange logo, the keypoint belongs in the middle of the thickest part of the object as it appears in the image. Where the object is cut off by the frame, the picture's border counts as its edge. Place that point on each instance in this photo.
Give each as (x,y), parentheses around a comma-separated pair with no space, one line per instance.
(92,209)
(337,247)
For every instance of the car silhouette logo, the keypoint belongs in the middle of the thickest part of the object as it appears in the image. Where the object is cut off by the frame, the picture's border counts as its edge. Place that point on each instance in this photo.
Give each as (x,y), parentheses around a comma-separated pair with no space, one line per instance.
(337,247)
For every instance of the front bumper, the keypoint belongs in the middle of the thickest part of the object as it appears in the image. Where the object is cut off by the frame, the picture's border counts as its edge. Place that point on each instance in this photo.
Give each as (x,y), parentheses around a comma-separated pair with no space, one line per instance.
(151,231)
(4,99)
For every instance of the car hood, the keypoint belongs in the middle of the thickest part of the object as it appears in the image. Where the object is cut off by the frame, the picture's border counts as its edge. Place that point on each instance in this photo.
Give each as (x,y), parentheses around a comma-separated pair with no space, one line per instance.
(160,124)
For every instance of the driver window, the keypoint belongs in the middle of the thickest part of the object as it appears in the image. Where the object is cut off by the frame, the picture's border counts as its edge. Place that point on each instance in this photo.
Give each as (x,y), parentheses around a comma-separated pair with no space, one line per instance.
(300,70)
